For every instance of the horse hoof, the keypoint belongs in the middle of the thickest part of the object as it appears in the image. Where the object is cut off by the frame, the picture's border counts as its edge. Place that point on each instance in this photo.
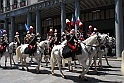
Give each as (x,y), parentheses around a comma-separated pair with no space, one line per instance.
(53,73)
(64,77)
(23,69)
(70,70)
(79,76)
(28,70)
(85,78)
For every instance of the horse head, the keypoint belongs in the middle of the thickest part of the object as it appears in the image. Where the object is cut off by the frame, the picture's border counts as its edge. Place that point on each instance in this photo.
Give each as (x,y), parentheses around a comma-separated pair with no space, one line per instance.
(45,46)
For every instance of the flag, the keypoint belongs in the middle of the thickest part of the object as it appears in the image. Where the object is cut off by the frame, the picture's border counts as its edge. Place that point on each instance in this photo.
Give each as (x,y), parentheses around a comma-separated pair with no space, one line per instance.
(78,20)
(27,28)
(72,20)
(81,24)
(2,32)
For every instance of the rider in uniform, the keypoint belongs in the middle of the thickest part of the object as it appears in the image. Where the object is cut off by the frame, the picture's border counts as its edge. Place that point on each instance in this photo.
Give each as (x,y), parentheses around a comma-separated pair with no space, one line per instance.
(16,39)
(38,37)
(4,40)
(71,42)
(94,32)
(27,37)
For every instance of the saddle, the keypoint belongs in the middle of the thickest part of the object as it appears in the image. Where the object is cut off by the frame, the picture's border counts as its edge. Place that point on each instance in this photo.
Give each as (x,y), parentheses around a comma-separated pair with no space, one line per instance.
(68,52)
(30,49)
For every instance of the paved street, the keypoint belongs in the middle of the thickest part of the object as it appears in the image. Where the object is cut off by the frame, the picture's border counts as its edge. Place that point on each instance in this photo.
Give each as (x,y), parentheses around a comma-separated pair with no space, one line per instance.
(17,75)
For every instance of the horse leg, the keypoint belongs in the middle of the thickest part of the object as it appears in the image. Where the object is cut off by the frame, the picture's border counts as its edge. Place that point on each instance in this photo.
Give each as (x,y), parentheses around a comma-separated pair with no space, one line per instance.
(5,60)
(107,60)
(86,69)
(26,64)
(94,58)
(75,63)
(52,64)
(39,63)
(11,60)
(100,61)
(59,66)
(69,66)
(46,59)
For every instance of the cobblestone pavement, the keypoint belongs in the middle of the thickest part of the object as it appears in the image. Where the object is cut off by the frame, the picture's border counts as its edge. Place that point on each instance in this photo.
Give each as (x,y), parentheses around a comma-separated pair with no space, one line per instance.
(17,75)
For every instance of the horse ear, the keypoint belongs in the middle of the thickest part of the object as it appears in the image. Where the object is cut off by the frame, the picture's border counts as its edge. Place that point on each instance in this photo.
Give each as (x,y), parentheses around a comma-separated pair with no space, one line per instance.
(97,34)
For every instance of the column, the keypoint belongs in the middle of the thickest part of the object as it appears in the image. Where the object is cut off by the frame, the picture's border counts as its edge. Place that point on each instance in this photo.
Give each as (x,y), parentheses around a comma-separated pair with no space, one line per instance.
(18,4)
(11,4)
(29,19)
(12,28)
(119,27)
(38,22)
(63,17)
(4,5)
(6,26)
(77,12)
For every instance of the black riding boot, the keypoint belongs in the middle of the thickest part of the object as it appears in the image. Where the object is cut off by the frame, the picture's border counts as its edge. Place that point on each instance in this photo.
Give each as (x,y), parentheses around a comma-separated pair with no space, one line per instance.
(73,55)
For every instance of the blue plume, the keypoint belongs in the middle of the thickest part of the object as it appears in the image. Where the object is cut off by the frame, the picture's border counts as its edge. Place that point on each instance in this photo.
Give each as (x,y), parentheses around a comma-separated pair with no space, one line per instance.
(26,27)
(75,19)
(1,32)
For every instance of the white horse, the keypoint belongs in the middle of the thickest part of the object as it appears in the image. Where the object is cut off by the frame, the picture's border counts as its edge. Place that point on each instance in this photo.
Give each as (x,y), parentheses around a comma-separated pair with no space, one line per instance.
(101,52)
(12,49)
(43,45)
(57,54)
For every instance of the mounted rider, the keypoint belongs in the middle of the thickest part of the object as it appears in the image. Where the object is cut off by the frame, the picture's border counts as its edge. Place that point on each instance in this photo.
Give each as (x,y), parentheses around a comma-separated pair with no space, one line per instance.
(16,39)
(94,32)
(32,40)
(27,38)
(4,40)
(90,30)
(38,37)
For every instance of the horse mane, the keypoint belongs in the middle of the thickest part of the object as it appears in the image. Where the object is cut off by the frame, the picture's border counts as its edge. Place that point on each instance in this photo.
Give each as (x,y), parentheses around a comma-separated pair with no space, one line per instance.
(88,40)
(122,63)
(41,44)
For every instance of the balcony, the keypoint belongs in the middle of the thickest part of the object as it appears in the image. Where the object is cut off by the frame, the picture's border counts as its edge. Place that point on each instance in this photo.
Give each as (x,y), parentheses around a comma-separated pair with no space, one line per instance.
(1,10)
(14,6)
(7,8)
(22,4)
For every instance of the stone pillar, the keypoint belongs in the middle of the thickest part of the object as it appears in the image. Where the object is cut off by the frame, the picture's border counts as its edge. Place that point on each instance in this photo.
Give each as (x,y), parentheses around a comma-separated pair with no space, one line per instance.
(119,27)
(77,12)
(18,4)
(12,28)
(6,27)
(29,19)
(4,5)
(63,17)
(38,22)
(11,4)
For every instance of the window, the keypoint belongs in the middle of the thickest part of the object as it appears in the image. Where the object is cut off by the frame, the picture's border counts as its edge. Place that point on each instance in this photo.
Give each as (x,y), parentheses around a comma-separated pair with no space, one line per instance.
(8,2)
(82,18)
(90,16)
(15,1)
(111,13)
(86,16)
(107,14)
(102,14)
(1,4)
(55,21)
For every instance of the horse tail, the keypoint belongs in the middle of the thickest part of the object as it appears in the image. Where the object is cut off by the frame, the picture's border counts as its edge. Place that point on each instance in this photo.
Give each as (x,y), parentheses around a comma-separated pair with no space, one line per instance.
(122,63)
(18,53)
(52,60)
